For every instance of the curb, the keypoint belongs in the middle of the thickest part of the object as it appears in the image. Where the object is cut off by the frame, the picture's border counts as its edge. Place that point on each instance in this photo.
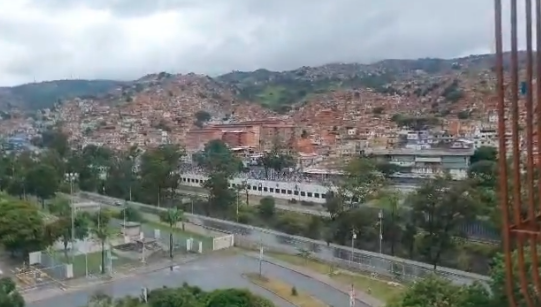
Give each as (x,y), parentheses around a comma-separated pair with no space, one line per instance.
(372,304)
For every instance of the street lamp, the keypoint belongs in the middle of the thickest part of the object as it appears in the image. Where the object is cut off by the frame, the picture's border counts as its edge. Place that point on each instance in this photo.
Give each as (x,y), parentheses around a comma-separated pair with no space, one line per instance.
(351,296)
(380,217)
(124,217)
(70,177)
(260,253)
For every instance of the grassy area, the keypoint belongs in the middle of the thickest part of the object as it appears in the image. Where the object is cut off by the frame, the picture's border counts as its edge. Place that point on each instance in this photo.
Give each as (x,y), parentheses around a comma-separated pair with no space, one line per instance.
(178,232)
(285,291)
(378,288)
(272,95)
(93,260)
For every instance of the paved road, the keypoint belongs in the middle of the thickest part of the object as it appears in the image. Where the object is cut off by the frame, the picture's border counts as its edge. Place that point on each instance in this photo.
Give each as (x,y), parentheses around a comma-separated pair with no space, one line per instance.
(208,274)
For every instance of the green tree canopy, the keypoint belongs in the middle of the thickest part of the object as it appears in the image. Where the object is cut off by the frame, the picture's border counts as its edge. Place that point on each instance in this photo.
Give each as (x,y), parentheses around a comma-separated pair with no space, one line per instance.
(484,153)
(436,292)
(9,297)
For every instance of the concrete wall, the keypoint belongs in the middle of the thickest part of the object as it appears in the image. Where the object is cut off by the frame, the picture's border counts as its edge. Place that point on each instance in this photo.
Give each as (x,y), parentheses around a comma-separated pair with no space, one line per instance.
(223,242)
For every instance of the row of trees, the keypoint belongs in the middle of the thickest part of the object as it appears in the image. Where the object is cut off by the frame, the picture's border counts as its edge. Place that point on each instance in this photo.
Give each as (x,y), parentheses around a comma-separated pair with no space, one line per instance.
(184,296)
(24,228)
(427,226)
(433,291)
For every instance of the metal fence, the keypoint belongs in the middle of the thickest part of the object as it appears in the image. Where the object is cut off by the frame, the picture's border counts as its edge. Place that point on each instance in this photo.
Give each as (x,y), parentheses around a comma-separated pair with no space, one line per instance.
(384,265)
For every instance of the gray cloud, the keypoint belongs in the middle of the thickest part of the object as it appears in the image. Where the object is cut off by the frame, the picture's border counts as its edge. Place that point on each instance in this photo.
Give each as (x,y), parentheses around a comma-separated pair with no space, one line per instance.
(123,39)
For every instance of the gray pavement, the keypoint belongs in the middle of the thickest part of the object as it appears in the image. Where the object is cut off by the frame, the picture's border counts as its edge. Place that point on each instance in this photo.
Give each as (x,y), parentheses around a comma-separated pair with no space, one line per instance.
(209,274)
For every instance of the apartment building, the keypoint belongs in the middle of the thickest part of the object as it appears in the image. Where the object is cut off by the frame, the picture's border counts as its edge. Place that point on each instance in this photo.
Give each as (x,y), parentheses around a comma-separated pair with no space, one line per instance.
(428,162)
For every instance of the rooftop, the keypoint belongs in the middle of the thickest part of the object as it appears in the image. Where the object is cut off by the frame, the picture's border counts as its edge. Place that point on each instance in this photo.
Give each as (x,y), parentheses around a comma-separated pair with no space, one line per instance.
(423,152)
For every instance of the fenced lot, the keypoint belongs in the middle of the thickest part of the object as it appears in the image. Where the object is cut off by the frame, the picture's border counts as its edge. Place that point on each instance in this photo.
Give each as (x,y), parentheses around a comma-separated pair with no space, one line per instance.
(360,260)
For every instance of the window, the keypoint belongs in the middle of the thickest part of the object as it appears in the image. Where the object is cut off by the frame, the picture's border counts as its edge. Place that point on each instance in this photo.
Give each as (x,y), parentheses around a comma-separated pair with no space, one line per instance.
(316,195)
(309,194)
(283,191)
(296,193)
(259,188)
(277,191)
(265,189)
(254,188)
(271,190)
(289,192)
(302,193)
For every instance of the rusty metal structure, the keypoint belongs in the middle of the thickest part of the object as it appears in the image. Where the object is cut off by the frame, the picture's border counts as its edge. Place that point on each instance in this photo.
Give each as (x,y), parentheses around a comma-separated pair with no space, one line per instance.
(519,185)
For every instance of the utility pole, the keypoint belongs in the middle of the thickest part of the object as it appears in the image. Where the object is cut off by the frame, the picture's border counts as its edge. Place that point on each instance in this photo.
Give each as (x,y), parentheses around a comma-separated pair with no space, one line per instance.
(353,237)
(380,217)
(237,216)
(124,217)
(260,255)
(72,211)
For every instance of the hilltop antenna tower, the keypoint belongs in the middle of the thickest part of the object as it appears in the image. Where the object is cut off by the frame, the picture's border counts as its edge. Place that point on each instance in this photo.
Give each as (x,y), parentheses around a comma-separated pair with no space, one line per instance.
(520,233)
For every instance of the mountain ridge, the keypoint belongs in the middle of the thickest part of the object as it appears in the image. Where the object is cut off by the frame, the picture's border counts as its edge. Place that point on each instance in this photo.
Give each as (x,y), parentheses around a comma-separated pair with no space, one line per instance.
(276,90)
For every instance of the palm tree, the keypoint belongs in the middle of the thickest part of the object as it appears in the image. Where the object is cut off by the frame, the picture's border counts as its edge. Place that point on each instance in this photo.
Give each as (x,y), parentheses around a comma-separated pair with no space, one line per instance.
(393,214)
(172,217)
(102,231)
(244,187)
(62,209)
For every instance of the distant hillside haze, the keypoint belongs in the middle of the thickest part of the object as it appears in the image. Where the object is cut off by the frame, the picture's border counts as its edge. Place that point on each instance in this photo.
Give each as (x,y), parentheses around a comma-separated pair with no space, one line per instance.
(32,96)
(278,91)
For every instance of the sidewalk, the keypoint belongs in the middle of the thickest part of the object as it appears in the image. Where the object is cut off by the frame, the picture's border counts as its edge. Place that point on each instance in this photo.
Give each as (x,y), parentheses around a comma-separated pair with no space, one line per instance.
(360,295)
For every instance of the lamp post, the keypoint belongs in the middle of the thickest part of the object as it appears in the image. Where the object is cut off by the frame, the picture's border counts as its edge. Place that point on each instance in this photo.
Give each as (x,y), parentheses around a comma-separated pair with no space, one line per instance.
(351,296)
(124,218)
(70,177)
(260,254)
(380,217)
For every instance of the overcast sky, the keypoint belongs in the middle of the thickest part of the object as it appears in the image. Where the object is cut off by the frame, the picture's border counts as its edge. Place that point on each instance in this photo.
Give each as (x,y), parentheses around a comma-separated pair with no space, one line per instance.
(125,39)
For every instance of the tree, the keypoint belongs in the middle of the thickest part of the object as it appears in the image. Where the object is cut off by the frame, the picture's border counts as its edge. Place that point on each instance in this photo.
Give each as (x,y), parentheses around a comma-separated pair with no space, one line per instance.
(439,208)
(22,229)
(172,217)
(388,169)
(217,158)
(484,153)
(121,178)
(42,180)
(102,231)
(131,214)
(202,116)
(56,140)
(61,208)
(221,197)
(437,292)
(393,217)
(276,160)
(221,165)
(237,298)
(160,170)
(498,280)
(485,173)
(267,207)
(314,227)
(362,181)
(9,297)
